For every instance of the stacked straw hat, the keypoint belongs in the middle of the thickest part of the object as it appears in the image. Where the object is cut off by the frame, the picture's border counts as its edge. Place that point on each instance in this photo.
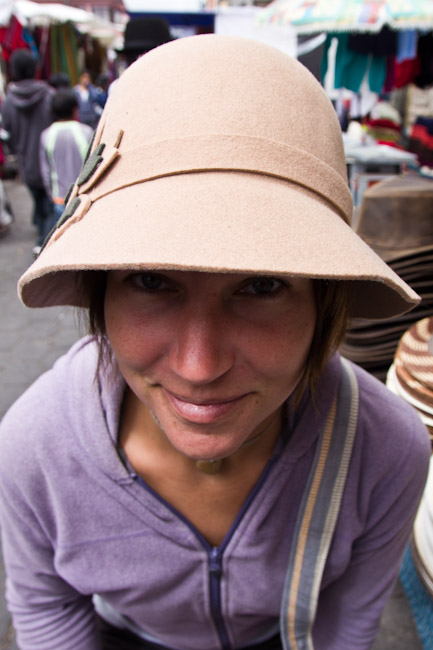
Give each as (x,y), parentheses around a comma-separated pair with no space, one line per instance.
(395,219)
(411,373)
(205,159)
(411,377)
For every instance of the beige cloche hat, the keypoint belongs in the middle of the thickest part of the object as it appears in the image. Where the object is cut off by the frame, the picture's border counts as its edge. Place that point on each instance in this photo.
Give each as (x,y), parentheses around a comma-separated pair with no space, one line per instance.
(215,153)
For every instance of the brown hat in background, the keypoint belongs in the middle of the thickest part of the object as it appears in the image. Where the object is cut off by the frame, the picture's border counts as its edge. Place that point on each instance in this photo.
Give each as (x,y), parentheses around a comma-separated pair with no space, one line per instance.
(395,219)
(411,373)
(219,154)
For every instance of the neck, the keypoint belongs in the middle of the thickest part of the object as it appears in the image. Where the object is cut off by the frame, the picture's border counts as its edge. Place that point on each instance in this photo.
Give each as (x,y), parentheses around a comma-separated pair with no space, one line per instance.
(139,429)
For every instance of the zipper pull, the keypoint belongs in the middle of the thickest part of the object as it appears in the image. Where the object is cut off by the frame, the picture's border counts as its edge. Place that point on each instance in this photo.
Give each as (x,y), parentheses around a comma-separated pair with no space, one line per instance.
(215,561)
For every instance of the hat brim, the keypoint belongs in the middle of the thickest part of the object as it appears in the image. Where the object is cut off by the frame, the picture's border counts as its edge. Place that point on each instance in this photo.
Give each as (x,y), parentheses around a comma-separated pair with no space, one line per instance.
(142,45)
(216,222)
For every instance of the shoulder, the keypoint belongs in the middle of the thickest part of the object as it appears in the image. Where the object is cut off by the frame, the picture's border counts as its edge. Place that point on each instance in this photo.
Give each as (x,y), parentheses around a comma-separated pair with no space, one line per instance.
(44,135)
(87,130)
(391,438)
(45,408)
(45,87)
(379,406)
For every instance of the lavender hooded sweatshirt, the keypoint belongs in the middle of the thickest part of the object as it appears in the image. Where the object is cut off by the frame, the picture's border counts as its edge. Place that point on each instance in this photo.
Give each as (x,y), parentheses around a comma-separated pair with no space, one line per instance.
(76,522)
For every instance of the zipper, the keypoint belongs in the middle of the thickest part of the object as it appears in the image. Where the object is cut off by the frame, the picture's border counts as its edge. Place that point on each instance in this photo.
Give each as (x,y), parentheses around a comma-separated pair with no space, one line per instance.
(215,553)
(215,571)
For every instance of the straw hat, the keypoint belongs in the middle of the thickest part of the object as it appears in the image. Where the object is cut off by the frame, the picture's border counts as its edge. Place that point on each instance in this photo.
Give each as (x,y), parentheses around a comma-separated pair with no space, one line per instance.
(215,153)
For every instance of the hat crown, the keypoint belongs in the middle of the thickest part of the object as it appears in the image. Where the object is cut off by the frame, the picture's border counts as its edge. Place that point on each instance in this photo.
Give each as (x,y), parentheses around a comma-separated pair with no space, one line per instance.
(224,85)
(215,153)
(147,32)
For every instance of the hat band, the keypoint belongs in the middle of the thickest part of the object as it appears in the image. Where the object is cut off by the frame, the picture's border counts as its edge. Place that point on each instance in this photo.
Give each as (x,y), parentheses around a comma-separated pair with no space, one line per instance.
(220,153)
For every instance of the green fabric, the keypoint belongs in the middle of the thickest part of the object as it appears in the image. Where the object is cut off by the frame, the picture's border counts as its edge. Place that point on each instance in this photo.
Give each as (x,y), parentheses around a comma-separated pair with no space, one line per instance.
(377,73)
(70,209)
(351,66)
(64,51)
(91,164)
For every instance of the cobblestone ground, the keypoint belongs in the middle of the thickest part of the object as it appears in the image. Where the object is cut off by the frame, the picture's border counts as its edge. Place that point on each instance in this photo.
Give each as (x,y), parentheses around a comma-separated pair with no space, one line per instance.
(32,339)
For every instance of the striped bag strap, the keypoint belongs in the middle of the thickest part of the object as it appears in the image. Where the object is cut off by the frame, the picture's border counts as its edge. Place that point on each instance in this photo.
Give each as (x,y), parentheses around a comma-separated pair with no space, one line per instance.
(317,516)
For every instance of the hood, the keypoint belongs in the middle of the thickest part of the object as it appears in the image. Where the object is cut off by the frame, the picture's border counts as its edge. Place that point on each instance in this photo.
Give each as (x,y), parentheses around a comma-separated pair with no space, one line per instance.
(27,93)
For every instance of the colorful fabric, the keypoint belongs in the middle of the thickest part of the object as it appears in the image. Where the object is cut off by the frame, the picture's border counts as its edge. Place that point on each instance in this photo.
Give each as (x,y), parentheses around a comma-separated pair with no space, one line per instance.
(421,140)
(64,51)
(308,16)
(407,43)
(12,38)
(322,15)
(351,66)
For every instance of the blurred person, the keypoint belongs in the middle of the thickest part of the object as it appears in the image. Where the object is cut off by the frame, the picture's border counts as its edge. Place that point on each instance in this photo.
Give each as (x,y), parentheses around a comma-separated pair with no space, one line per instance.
(26,112)
(59,80)
(102,85)
(203,470)
(89,110)
(142,35)
(63,147)
(6,216)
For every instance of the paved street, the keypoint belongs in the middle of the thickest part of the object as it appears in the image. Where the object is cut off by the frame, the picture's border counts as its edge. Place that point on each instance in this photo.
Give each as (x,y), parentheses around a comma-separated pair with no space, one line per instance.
(31,340)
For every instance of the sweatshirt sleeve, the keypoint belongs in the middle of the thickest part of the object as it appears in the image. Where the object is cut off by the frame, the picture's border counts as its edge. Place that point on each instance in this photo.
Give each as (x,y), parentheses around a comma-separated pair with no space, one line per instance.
(44,164)
(47,613)
(7,122)
(350,608)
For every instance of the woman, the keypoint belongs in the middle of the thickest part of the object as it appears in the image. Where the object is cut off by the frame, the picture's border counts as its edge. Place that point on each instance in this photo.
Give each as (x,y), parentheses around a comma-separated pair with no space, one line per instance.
(204,471)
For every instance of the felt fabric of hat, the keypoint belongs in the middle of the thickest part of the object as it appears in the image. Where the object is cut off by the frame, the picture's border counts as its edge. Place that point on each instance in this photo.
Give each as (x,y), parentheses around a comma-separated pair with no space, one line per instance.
(215,154)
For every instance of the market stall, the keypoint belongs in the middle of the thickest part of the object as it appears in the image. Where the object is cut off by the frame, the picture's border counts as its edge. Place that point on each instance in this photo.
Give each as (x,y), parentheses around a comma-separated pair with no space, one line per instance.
(63,38)
(372,47)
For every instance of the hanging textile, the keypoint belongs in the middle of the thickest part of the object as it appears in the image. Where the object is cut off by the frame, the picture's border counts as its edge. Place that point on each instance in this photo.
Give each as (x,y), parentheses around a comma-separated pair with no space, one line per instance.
(64,51)
(12,38)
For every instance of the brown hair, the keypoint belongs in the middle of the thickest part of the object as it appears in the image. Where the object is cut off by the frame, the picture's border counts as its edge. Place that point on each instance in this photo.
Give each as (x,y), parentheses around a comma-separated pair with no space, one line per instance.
(332,298)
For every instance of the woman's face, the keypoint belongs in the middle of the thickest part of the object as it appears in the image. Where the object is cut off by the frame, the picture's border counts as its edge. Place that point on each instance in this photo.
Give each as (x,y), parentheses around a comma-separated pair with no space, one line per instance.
(212,356)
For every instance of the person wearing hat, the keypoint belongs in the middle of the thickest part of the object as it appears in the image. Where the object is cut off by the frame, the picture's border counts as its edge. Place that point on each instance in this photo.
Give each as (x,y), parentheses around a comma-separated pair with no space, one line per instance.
(203,470)
(142,35)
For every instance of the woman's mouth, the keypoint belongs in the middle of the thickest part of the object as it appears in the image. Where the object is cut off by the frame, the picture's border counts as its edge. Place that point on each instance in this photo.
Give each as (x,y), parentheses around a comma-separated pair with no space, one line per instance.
(203,411)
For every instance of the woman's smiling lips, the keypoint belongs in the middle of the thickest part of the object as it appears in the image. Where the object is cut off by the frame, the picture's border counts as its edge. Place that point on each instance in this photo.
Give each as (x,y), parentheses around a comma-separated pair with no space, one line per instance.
(202,411)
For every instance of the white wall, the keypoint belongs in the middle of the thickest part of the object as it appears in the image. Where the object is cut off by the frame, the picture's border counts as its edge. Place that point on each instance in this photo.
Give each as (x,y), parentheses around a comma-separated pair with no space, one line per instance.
(243,22)
(163,5)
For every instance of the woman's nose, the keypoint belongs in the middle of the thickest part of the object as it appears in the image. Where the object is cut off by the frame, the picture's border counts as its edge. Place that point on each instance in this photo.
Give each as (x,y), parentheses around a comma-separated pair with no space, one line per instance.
(201,350)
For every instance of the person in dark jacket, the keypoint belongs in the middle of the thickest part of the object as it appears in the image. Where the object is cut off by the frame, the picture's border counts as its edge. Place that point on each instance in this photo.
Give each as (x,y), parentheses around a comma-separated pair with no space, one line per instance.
(89,108)
(26,112)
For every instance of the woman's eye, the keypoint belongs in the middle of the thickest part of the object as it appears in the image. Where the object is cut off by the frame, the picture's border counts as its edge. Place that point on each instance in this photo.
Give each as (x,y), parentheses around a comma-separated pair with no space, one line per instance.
(261,286)
(149,281)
